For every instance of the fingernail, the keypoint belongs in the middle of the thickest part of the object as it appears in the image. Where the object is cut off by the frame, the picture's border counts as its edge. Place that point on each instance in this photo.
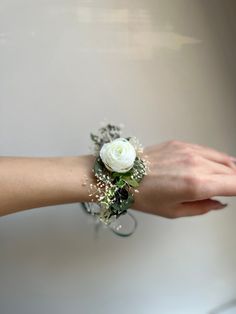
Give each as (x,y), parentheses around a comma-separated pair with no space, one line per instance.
(221,206)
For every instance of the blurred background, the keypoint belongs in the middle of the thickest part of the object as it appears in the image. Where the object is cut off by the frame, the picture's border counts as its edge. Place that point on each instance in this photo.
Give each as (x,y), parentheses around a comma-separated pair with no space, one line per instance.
(165,69)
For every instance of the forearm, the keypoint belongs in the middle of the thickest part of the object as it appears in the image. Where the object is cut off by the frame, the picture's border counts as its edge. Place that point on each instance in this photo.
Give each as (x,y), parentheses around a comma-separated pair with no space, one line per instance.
(31,182)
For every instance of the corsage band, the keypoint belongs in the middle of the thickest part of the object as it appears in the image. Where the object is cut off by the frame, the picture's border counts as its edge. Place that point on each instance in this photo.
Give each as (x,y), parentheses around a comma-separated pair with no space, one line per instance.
(119,168)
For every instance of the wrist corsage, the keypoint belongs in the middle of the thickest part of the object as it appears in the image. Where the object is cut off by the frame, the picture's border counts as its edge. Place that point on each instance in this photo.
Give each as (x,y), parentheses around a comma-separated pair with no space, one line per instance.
(119,169)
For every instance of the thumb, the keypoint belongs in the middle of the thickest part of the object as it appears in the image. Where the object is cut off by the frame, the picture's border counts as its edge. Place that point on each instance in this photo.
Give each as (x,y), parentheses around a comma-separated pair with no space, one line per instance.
(199,207)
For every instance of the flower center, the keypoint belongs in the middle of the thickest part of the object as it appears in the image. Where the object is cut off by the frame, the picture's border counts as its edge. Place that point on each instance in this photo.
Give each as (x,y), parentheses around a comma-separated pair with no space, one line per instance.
(119,150)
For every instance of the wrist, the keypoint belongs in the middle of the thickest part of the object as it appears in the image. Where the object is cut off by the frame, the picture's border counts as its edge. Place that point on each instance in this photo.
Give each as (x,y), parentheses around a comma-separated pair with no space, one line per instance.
(87,176)
(79,176)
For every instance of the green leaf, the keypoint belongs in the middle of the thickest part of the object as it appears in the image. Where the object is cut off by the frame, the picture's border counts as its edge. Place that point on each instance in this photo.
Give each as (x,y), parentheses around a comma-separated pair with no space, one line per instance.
(131,182)
(98,166)
(126,204)
(116,174)
(121,174)
(120,183)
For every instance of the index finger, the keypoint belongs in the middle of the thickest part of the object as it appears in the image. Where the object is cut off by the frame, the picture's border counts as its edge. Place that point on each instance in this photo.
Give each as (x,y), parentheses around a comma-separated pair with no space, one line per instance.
(221,185)
(214,155)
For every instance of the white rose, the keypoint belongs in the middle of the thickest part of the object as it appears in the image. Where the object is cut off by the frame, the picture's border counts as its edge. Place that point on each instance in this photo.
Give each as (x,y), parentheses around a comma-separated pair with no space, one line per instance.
(118,155)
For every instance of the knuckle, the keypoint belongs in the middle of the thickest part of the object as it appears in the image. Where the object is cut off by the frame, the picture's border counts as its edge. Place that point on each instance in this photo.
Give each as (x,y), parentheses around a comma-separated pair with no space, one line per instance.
(191,159)
(228,161)
(174,143)
(187,150)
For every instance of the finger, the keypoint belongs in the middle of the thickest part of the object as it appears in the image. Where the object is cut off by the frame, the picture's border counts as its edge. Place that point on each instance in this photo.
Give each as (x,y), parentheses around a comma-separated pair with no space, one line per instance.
(220,185)
(198,207)
(215,155)
(216,168)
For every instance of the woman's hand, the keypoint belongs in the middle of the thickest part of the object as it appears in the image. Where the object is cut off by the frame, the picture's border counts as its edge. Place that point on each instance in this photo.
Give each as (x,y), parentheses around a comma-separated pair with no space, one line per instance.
(183,178)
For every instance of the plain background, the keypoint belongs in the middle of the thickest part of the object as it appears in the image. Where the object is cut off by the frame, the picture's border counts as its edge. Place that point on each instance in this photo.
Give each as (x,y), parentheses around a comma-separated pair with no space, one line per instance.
(166,70)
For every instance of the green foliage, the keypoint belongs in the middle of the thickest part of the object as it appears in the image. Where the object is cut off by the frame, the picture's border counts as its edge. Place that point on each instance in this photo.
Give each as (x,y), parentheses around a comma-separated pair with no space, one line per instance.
(118,198)
(121,183)
(126,177)
(119,208)
(131,182)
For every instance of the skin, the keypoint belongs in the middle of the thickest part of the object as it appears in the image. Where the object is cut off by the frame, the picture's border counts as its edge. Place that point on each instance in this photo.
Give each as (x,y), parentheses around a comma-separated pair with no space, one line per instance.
(32,182)
(182,180)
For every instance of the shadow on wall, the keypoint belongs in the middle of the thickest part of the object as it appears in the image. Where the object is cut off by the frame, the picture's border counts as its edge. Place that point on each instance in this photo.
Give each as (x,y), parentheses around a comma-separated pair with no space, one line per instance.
(224,307)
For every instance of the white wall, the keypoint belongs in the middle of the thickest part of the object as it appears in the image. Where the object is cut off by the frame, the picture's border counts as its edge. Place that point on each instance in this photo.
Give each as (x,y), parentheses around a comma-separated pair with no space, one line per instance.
(166,69)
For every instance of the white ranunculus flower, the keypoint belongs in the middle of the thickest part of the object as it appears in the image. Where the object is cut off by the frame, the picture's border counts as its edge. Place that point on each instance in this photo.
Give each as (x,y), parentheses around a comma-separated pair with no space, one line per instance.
(118,155)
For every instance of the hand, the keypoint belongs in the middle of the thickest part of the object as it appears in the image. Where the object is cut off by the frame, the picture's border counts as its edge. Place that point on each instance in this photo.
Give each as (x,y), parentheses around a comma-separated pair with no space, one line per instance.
(183,178)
